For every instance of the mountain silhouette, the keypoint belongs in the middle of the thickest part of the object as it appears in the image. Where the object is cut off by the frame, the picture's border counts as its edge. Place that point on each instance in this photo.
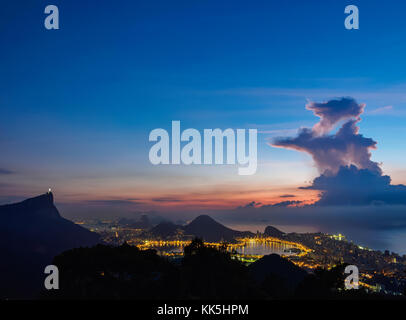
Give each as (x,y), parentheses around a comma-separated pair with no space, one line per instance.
(273,232)
(209,229)
(203,227)
(32,232)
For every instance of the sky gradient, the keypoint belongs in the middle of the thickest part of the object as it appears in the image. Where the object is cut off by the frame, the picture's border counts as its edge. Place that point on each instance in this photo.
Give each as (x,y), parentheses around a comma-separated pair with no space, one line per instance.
(77,104)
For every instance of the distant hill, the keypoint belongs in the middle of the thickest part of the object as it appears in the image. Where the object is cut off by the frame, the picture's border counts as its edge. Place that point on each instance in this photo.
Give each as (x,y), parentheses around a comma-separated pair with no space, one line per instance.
(32,232)
(142,223)
(203,227)
(273,232)
(165,230)
(209,229)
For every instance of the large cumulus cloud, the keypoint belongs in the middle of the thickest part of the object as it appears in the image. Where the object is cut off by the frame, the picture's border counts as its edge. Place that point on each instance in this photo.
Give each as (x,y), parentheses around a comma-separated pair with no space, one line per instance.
(331,151)
(353,186)
(333,111)
(348,176)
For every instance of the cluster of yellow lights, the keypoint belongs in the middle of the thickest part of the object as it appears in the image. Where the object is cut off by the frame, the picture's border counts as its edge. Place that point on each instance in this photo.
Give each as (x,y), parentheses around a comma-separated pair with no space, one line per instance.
(241,242)
(244,257)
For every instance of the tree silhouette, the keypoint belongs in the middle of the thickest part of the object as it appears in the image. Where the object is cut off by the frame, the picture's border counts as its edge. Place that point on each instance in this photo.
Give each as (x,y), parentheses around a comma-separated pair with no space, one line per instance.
(212,273)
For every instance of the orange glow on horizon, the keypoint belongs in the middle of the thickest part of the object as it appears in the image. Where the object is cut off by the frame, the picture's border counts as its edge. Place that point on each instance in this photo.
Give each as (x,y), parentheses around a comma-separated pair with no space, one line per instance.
(220,199)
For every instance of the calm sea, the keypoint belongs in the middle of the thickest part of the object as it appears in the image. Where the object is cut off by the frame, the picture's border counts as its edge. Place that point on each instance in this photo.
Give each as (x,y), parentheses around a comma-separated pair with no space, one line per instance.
(378,240)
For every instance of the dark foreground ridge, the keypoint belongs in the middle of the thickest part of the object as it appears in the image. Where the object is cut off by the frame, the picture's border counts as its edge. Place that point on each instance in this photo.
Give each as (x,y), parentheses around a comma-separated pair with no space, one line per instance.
(32,232)
(205,272)
(33,235)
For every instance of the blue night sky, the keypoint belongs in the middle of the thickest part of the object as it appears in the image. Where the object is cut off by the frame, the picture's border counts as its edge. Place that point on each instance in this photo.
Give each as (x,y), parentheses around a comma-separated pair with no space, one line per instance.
(77,104)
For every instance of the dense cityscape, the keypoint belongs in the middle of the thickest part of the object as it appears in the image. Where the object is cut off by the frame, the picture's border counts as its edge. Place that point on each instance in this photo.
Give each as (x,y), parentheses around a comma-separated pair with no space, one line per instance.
(380,272)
